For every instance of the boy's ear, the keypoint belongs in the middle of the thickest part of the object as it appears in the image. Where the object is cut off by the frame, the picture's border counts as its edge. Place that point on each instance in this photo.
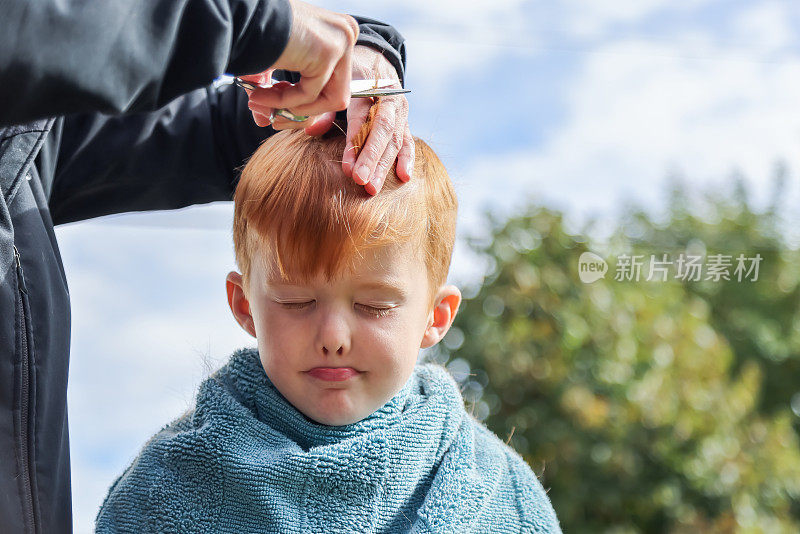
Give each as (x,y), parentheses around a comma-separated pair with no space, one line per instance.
(238,302)
(445,307)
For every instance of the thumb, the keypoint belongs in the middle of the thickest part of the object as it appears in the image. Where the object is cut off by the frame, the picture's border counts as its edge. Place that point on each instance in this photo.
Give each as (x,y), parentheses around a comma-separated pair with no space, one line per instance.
(322,123)
(262,78)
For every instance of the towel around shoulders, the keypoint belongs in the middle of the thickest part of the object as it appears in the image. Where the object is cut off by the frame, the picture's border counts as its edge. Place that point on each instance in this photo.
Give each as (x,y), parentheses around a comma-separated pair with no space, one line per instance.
(245,460)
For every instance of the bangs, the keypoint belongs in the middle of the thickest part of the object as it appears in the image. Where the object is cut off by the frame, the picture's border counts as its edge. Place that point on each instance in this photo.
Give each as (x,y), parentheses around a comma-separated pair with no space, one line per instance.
(294,202)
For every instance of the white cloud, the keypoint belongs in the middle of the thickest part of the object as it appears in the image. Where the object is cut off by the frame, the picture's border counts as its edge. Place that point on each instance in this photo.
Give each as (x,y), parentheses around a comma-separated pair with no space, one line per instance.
(639,110)
(766,27)
(450,37)
(592,19)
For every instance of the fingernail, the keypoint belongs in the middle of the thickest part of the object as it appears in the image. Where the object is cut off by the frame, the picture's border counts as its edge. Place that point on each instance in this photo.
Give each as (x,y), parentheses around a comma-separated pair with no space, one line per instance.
(362,173)
(409,169)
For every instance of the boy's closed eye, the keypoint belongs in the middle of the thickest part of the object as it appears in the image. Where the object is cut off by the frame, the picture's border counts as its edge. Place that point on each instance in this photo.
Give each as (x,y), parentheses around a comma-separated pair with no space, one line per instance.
(296,305)
(378,310)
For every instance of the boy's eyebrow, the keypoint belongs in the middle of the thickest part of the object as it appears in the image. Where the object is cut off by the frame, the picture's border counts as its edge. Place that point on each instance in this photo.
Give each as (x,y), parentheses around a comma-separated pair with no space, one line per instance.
(278,282)
(373,285)
(387,286)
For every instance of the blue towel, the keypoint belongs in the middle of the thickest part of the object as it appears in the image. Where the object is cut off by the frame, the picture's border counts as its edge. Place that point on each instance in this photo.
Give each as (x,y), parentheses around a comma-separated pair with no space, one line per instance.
(245,460)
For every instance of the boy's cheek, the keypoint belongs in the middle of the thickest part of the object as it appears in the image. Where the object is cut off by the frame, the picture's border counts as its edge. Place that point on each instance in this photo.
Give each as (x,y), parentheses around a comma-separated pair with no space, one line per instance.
(273,315)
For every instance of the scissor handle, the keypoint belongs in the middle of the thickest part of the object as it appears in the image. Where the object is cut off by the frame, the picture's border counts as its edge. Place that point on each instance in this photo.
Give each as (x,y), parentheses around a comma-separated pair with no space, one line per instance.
(245,85)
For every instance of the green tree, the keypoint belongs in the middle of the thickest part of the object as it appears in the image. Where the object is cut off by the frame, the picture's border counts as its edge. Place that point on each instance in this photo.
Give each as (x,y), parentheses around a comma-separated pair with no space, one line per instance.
(643,405)
(760,321)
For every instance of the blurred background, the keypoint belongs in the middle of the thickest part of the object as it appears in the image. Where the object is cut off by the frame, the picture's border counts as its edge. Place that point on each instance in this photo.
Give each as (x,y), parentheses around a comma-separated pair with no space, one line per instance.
(622,128)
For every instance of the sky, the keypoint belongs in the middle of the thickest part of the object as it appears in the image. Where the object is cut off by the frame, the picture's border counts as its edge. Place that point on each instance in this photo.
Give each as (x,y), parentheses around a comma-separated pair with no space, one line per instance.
(582,106)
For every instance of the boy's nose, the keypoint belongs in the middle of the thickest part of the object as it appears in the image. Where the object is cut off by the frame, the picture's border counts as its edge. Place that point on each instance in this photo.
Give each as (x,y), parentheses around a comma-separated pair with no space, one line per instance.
(334,335)
(339,350)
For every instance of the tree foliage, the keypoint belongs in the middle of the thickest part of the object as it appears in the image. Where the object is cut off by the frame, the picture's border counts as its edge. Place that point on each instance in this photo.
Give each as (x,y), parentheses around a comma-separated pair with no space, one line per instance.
(649,406)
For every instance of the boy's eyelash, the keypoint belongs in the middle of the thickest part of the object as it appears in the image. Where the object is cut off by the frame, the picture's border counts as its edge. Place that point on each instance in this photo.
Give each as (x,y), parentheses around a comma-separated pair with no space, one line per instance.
(366,308)
(297,305)
(373,310)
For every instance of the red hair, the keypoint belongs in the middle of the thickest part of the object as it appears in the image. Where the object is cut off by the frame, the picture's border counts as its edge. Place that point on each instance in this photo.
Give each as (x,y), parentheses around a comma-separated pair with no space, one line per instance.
(294,201)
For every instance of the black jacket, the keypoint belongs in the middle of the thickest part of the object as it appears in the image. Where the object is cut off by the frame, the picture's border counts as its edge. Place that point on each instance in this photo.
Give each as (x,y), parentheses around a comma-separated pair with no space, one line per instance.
(166,138)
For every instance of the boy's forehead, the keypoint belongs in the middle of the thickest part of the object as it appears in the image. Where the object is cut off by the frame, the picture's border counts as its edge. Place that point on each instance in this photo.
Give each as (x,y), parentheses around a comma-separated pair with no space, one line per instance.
(393,266)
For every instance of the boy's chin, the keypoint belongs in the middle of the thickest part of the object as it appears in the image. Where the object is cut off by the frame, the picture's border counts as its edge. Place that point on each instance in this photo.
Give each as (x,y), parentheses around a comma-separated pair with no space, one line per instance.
(336,419)
(336,422)
(339,412)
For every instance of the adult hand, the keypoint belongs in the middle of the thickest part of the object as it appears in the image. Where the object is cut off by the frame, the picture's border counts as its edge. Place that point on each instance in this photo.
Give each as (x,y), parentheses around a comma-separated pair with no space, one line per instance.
(390,137)
(320,48)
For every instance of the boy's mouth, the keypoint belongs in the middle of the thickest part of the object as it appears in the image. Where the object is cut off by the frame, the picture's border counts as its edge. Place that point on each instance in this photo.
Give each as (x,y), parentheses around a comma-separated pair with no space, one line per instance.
(334,374)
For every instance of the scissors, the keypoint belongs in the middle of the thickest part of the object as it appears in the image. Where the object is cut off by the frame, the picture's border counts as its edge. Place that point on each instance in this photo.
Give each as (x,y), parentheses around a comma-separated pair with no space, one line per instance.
(358,89)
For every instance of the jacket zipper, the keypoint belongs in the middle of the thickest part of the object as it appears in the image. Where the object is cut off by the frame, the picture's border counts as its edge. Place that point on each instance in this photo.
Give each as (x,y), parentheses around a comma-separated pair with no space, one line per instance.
(24,431)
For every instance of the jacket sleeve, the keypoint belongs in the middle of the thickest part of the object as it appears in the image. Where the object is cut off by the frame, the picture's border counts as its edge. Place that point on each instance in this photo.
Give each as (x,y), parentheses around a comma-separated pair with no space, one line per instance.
(121,56)
(186,152)
(385,38)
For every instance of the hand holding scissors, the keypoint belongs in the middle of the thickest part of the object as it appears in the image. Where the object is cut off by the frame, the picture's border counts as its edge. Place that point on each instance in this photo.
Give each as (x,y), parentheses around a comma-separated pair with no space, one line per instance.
(358,89)
(390,138)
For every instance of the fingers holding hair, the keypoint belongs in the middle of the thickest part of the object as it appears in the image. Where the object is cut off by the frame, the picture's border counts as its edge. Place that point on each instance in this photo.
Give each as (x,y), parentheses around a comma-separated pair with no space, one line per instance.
(357,115)
(381,134)
(405,158)
(385,163)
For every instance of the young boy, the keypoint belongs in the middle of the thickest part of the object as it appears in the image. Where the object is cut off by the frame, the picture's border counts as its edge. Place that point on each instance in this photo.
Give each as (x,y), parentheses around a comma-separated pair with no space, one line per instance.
(331,425)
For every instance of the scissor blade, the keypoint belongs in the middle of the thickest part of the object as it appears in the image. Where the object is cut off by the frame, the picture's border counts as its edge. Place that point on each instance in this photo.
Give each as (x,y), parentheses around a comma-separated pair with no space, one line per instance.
(379,92)
(358,88)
